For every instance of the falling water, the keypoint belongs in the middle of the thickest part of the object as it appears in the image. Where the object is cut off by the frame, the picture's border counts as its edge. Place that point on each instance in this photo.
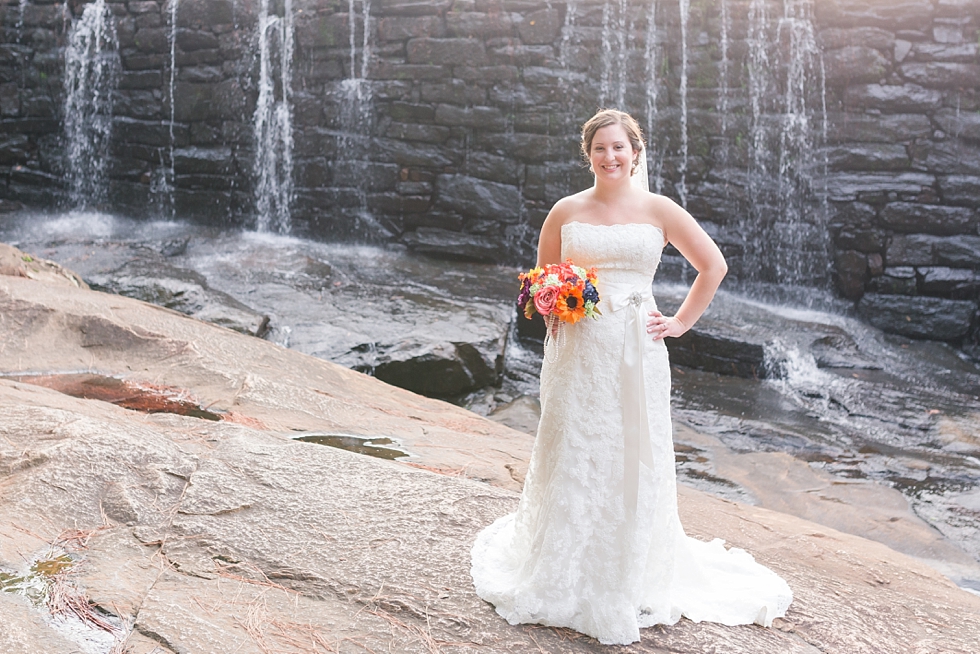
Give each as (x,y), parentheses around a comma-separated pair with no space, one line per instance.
(607,68)
(21,6)
(723,81)
(656,146)
(356,113)
(615,54)
(784,231)
(272,123)
(758,39)
(91,74)
(802,229)
(569,80)
(752,227)
(623,32)
(566,33)
(365,39)
(685,8)
(166,181)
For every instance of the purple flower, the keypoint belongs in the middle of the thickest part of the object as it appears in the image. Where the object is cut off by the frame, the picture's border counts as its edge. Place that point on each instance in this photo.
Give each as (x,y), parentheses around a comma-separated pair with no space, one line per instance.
(525,294)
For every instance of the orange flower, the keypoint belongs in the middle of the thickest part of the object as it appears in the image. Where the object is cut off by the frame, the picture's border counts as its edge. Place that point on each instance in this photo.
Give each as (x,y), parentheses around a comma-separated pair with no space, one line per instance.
(570,306)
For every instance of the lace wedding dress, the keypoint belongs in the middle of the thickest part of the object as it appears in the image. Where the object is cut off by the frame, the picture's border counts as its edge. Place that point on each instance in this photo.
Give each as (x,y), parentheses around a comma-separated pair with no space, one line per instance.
(596,543)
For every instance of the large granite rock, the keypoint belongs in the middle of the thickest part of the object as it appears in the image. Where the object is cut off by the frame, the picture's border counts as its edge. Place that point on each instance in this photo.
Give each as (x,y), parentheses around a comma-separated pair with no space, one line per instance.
(431,326)
(448,244)
(710,345)
(158,282)
(907,98)
(931,219)
(918,317)
(927,250)
(855,64)
(214,536)
(707,349)
(14,262)
(851,273)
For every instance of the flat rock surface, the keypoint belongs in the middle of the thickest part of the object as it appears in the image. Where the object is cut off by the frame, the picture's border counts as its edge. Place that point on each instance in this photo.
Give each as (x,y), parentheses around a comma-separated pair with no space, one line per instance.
(433,327)
(15,263)
(230,535)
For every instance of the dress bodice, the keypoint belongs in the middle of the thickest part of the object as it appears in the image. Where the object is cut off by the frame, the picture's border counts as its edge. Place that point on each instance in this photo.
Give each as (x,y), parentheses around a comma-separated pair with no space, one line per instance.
(626,254)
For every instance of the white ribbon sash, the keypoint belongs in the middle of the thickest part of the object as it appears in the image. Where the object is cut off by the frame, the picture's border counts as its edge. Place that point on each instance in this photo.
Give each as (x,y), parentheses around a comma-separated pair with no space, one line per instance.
(636,424)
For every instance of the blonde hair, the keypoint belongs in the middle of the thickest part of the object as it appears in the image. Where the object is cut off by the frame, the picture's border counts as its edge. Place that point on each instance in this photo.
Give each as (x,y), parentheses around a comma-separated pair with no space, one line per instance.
(605,118)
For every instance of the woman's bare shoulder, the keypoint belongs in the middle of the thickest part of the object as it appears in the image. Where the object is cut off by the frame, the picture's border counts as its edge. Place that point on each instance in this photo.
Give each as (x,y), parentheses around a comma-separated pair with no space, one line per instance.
(664,209)
(566,208)
(662,202)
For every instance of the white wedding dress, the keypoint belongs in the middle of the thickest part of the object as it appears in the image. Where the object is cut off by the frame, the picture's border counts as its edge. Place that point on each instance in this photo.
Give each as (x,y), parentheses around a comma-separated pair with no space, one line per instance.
(596,543)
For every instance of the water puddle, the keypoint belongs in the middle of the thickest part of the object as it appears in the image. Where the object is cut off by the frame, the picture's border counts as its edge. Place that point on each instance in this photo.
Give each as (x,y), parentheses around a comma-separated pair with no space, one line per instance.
(46,585)
(359,444)
(695,467)
(36,582)
(147,398)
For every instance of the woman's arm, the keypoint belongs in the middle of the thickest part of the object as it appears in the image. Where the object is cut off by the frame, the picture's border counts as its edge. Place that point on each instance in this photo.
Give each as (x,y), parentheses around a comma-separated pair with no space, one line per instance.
(696,246)
(549,241)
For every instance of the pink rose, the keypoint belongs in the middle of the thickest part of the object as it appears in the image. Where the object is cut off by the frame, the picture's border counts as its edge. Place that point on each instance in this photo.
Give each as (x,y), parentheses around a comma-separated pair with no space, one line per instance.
(545,300)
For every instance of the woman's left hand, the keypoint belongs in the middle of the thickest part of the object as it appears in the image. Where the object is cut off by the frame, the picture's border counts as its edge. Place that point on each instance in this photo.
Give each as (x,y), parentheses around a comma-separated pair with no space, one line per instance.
(662,326)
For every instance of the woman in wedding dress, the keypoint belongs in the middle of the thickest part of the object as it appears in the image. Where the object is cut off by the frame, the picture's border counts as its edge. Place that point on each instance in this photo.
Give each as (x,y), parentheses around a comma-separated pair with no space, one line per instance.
(596,543)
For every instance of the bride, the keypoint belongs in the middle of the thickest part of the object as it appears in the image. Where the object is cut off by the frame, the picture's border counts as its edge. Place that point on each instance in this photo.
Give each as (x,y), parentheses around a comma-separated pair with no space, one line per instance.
(596,543)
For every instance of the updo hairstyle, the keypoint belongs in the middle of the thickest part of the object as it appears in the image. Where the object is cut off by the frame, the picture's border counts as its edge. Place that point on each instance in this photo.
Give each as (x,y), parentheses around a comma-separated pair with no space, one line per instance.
(605,118)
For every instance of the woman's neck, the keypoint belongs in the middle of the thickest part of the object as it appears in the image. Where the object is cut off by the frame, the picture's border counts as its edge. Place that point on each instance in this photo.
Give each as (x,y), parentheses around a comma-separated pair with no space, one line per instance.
(610,192)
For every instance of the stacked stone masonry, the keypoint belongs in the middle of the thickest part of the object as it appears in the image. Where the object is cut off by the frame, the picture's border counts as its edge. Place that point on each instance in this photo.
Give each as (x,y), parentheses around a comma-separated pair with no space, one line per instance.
(451,126)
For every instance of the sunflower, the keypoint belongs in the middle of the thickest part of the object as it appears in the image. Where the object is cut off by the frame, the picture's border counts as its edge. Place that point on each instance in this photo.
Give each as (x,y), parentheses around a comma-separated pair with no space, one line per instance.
(570,306)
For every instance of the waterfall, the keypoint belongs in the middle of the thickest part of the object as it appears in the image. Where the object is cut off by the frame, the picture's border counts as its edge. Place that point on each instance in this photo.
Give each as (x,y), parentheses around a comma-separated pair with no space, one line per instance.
(723,91)
(754,229)
(365,39)
(615,54)
(758,64)
(606,55)
(566,33)
(803,232)
(785,234)
(656,143)
(164,183)
(272,122)
(91,74)
(685,8)
(623,33)
(21,6)
(356,113)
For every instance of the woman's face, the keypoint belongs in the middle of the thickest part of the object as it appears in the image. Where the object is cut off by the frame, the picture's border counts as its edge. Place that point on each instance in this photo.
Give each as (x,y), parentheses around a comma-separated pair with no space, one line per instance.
(611,155)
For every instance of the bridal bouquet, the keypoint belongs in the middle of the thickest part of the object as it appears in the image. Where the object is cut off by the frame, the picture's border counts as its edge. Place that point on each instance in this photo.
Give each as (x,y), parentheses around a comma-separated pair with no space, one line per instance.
(559,292)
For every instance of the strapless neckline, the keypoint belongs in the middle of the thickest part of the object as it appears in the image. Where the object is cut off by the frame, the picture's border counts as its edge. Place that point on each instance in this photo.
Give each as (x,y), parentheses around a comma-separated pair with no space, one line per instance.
(579,222)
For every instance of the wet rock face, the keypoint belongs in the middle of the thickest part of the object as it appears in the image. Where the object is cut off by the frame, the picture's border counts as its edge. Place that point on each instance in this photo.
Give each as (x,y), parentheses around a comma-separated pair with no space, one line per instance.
(186,291)
(918,317)
(437,328)
(16,263)
(465,134)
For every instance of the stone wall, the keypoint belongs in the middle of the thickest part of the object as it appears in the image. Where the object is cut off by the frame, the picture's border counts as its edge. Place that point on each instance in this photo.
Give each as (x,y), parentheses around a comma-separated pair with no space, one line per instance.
(821,143)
